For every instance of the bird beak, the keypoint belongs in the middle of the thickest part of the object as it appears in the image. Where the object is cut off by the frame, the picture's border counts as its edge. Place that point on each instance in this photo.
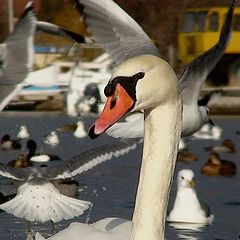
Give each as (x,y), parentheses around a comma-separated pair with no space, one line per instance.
(116,106)
(211,122)
(192,183)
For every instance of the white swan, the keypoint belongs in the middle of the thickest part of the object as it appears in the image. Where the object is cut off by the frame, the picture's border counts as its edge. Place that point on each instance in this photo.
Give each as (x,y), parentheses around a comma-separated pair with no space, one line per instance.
(122,37)
(143,82)
(187,208)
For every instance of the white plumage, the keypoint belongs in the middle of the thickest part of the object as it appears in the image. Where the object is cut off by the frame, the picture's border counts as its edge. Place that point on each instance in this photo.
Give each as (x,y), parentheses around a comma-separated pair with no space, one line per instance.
(52,139)
(187,207)
(38,200)
(23,132)
(80,132)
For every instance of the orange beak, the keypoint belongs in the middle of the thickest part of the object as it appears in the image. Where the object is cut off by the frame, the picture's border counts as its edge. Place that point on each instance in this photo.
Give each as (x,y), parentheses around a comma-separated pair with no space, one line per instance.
(116,106)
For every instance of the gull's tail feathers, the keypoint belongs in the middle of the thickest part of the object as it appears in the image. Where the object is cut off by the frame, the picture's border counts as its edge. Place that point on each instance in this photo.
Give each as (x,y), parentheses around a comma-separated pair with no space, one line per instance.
(43,202)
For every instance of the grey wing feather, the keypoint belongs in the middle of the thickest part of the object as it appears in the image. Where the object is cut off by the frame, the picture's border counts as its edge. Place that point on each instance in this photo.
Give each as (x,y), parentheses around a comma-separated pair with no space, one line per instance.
(197,71)
(14,173)
(115,30)
(206,209)
(89,159)
(18,50)
(54,29)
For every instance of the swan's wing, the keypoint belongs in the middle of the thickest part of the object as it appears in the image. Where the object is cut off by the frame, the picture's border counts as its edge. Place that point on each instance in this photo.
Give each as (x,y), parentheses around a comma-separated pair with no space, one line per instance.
(130,128)
(54,29)
(89,159)
(115,30)
(20,174)
(17,54)
(196,72)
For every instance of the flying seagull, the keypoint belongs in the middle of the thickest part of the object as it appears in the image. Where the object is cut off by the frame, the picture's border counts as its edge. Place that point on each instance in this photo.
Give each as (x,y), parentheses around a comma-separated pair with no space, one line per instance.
(39,200)
(18,52)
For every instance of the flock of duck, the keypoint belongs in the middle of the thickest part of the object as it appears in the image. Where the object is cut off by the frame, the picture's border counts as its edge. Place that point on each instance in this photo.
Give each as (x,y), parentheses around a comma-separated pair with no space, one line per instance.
(167,109)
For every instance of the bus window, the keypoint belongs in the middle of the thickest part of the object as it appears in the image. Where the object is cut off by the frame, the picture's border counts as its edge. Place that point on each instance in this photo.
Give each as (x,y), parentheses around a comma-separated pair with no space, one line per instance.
(201,21)
(236,22)
(194,21)
(213,22)
(189,20)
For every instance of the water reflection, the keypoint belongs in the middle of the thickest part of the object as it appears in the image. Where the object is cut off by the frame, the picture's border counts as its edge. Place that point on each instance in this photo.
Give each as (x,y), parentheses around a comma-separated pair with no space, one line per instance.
(188,230)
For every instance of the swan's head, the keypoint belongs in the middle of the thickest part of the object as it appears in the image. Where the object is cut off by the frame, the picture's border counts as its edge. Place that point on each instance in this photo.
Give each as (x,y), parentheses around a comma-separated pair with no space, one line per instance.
(186,179)
(139,83)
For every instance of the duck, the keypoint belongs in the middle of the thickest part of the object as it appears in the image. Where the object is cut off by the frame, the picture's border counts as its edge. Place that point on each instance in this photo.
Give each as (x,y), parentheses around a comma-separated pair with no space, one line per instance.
(186,156)
(80,132)
(227,146)
(215,166)
(190,81)
(52,139)
(23,132)
(20,162)
(43,195)
(187,208)
(68,186)
(39,157)
(67,128)
(10,144)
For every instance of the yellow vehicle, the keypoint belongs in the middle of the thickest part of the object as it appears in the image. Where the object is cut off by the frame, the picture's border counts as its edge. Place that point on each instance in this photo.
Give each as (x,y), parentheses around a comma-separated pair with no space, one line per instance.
(200,31)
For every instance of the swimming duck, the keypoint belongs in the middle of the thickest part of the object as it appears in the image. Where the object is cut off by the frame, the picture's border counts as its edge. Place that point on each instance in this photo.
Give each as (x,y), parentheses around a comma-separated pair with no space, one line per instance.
(187,207)
(226,147)
(186,156)
(216,166)
(68,186)
(9,144)
(21,162)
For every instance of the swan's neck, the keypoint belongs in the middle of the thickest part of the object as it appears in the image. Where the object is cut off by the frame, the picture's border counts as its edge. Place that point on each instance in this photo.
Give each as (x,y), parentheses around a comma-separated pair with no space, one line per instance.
(161,138)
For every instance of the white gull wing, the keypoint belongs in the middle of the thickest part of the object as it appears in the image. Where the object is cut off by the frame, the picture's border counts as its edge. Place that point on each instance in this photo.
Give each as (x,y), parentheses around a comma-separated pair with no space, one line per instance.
(57,30)
(89,159)
(197,71)
(115,30)
(18,49)
(17,56)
